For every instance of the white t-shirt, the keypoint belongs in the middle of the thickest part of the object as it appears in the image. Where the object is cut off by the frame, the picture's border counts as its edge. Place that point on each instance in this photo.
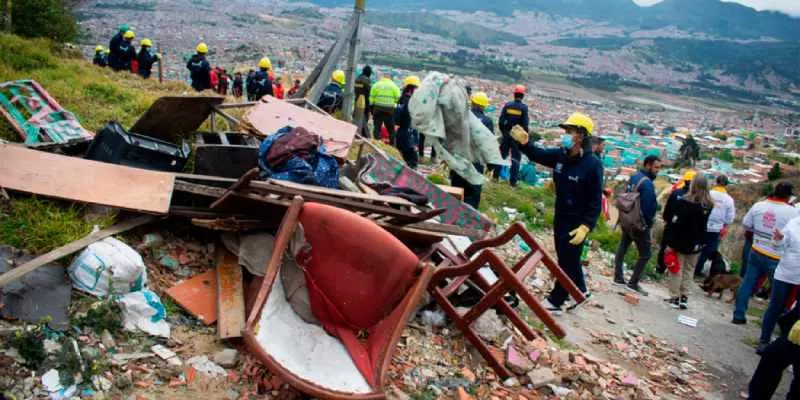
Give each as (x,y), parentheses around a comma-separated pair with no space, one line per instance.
(723,213)
(789,268)
(763,219)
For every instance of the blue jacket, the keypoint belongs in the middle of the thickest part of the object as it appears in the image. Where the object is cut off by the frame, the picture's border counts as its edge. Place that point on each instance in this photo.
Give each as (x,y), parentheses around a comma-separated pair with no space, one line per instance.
(260,85)
(113,49)
(647,196)
(146,60)
(332,98)
(514,113)
(407,137)
(486,121)
(578,182)
(200,72)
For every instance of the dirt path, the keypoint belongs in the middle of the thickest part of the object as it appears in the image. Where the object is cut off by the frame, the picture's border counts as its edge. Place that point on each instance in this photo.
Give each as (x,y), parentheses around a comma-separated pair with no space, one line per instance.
(722,345)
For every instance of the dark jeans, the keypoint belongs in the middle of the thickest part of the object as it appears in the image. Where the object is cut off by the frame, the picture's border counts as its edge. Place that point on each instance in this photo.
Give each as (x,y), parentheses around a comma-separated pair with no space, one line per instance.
(710,245)
(642,240)
(422,148)
(509,145)
(383,116)
(748,244)
(777,306)
(758,265)
(569,259)
(779,355)
(472,193)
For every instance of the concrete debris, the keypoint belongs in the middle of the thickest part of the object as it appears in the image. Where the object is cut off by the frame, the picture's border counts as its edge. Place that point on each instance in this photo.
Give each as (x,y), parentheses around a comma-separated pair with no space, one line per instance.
(203,365)
(490,327)
(227,358)
(541,377)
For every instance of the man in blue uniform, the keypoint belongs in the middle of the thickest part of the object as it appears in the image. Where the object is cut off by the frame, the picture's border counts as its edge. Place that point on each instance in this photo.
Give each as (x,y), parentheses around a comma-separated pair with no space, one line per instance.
(407,137)
(113,45)
(332,97)
(200,69)
(472,193)
(126,52)
(261,85)
(514,113)
(146,58)
(578,179)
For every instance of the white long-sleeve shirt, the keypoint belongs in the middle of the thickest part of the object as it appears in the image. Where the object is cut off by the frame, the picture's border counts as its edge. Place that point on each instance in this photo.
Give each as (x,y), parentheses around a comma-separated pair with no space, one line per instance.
(763,219)
(723,213)
(789,267)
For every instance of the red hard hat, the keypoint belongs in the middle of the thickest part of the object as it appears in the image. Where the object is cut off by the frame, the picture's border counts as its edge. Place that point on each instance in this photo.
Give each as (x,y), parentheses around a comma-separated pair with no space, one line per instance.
(519,89)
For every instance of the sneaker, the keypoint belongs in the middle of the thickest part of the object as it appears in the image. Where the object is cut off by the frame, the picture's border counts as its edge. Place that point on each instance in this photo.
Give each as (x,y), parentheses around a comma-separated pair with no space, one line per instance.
(761,347)
(555,310)
(637,289)
(574,305)
(737,321)
(618,282)
(684,303)
(675,302)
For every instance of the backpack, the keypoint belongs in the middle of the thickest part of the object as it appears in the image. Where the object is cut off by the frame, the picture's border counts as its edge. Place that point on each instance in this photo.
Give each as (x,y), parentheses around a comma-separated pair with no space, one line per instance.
(630,210)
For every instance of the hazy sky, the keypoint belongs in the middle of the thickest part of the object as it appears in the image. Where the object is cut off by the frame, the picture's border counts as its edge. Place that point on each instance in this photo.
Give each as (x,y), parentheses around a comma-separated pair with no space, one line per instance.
(791,7)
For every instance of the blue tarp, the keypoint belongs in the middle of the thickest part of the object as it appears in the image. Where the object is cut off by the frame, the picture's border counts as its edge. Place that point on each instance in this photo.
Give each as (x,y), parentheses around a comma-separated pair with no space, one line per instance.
(317,168)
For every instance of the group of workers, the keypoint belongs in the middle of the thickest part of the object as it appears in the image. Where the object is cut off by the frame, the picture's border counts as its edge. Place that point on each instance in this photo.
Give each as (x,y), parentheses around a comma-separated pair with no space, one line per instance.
(121,54)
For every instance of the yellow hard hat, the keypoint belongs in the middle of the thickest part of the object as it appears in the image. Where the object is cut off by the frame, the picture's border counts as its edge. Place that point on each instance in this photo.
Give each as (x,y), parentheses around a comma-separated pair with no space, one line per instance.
(202,48)
(107,51)
(412,80)
(146,42)
(129,35)
(480,98)
(265,63)
(689,175)
(338,77)
(580,120)
(98,49)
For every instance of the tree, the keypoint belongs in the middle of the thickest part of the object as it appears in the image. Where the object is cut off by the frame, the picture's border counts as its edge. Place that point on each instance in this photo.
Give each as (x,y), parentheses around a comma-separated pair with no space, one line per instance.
(689,152)
(43,18)
(775,173)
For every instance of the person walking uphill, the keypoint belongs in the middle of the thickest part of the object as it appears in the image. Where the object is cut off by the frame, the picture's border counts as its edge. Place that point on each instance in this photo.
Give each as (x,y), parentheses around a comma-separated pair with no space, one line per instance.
(578,179)
(126,53)
(764,219)
(146,58)
(332,98)
(472,193)
(383,98)
(637,228)
(407,137)
(515,113)
(679,190)
(787,276)
(721,216)
(113,45)
(100,58)
(684,236)
(200,69)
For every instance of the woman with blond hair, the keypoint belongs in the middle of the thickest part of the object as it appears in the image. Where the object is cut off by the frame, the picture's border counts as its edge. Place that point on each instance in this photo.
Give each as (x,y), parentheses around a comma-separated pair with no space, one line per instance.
(684,236)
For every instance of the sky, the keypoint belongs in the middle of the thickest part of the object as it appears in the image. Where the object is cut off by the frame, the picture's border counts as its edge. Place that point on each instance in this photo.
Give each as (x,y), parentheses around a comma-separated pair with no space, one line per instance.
(791,7)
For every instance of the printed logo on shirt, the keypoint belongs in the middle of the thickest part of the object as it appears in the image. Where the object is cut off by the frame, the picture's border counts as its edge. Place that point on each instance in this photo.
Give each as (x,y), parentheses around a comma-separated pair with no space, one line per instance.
(558,168)
(512,111)
(573,178)
(769,220)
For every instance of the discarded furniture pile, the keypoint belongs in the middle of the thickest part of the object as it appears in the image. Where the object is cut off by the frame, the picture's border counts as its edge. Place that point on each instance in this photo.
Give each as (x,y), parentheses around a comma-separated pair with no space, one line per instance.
(336,272)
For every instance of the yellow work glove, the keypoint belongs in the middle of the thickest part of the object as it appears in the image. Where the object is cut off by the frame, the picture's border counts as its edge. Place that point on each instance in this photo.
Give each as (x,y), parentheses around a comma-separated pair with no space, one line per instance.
(579,235)
(519,134)
(794,334)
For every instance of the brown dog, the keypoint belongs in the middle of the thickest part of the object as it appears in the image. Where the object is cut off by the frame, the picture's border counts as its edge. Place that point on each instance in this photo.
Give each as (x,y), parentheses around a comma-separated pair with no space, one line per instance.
(720,283)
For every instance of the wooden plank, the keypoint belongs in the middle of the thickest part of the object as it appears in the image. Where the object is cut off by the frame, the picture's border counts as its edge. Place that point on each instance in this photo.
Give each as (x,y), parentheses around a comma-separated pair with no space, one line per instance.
(70,248)
(336,192)
(230,295)
(456,192)
(87,181)
(198,296)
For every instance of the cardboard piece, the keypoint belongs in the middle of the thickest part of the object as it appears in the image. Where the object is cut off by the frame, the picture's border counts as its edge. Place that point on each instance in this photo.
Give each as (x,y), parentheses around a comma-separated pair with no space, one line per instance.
(176,116)
(230,295)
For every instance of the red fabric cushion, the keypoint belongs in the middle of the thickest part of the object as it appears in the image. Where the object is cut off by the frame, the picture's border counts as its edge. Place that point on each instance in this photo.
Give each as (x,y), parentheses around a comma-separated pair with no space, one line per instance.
(357,273)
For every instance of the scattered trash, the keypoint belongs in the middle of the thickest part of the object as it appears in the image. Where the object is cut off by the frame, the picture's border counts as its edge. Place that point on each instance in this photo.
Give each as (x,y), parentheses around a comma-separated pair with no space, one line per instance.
(689,321)
(52,381)
(143,310)
(227,358)
(167,355)
(434,318)
(198,296)
(108,267)
(204,365)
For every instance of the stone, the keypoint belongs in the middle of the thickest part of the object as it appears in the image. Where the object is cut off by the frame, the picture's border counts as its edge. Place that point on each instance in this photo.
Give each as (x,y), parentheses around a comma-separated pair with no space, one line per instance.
(534,355)
(611,321)
(101,383)
(511,382)
(559,391)
(227,358)
(51,346)
(632,299)
(490,327)
(630,380)
(541,377)
(517,362)
(107,339)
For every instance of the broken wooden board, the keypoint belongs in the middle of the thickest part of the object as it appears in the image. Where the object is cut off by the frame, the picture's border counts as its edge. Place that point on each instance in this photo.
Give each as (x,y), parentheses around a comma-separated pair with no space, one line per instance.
(230,295)
(198,296)
(70,248)
(87,181)
(270,114)
(456,192)
(175,116)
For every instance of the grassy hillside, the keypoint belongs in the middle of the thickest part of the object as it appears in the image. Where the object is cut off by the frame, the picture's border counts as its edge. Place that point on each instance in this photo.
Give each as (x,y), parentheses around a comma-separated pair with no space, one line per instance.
(95,95)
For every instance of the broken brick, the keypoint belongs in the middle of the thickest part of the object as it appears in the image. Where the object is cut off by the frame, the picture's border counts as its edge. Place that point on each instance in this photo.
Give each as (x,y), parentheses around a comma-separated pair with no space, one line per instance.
(517,362)
(631,298)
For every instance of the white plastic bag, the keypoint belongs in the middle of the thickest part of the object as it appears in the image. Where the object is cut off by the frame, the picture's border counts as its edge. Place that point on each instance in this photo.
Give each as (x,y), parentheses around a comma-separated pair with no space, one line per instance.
(144,310)
(108,267)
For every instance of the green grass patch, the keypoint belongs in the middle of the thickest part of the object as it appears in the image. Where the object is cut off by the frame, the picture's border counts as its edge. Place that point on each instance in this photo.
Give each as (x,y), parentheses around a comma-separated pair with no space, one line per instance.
(101,315)
(30,345)
(39,225)
(535,205)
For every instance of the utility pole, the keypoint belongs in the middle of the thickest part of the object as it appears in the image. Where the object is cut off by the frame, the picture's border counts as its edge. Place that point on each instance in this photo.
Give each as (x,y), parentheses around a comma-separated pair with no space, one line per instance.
(353,55)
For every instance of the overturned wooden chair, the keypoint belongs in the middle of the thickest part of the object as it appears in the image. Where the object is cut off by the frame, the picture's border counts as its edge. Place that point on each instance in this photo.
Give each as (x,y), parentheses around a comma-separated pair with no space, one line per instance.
(456,269)
(363,286)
